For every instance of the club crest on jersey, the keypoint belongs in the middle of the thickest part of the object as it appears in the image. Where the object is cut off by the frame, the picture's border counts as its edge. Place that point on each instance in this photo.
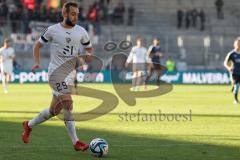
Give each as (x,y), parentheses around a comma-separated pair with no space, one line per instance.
(68,39)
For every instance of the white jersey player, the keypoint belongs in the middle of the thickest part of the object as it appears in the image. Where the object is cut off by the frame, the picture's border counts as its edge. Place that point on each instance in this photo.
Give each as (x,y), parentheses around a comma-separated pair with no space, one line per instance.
(7,55)
(139,59)
(65,39)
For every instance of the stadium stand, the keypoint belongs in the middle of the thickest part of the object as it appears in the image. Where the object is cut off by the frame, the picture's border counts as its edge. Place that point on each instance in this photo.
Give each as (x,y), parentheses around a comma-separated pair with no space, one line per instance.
(152,18)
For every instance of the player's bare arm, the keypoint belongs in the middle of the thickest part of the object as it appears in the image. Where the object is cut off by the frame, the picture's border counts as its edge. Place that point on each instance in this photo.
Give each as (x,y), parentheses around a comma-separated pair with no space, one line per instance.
(36,55)
(228,63)
(149,51)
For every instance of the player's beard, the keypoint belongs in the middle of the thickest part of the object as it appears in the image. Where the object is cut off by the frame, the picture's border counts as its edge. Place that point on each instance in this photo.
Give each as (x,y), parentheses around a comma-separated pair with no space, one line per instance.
(69,22)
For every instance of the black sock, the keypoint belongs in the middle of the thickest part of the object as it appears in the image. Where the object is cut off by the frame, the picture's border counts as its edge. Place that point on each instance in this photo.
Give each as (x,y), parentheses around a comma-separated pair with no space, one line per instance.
(236,97)
(75,83)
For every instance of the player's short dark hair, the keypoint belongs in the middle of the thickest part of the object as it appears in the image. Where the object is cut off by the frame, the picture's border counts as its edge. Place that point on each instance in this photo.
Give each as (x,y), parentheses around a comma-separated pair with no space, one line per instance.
(67,5)
(7,40)
(237,39)
(139,39)
(157,39)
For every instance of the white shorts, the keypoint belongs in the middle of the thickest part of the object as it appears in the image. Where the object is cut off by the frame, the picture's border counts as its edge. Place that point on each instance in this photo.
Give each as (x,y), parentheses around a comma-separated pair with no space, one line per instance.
(59,89)
(138,67)
(7,69)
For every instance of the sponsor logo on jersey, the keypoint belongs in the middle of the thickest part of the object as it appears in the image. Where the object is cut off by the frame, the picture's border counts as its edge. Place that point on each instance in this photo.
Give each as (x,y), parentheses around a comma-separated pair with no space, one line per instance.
(68,39)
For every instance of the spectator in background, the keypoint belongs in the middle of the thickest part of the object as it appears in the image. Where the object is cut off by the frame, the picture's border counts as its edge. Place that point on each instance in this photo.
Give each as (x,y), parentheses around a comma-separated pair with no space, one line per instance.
(92,13)
(219,7)
(38,2)
(15,17)
(81,15)
(55,15)
(119,13)
(25,20)
(110,13)
(187,19)
(48,18)
(93,17)
(180,15)
(3,13)
(102,11)
(58,15)
(202,17)
(51,15)
(194,16)
(107,2)
(43,13)
(131,11)
(36,14)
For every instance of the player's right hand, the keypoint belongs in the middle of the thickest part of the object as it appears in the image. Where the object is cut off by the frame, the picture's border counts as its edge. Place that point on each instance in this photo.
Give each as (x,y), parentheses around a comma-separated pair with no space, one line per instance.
(88,58)
(35,67)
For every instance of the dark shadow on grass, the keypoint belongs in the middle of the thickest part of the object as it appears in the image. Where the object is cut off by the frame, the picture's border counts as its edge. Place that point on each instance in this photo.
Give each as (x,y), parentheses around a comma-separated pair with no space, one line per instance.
(25,112)
(53,143)
(99,113)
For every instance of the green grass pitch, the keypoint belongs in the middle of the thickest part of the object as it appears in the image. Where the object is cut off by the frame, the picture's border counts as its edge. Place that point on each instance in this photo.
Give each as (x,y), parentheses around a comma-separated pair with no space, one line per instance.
(213,133)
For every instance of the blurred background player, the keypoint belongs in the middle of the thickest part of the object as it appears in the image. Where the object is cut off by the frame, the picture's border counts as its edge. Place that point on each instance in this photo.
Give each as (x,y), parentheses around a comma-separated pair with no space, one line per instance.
(139,59)
(7,56)
(154,52)
(66,38)
(232,64)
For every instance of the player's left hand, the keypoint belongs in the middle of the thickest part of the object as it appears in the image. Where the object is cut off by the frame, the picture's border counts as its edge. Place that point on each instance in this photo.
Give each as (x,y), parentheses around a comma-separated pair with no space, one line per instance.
(230,69)
(35,67)
(159,54)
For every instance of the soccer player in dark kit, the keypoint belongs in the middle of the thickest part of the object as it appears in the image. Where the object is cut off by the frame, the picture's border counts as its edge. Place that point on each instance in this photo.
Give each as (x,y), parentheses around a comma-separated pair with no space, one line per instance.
(232,64)
(154,52)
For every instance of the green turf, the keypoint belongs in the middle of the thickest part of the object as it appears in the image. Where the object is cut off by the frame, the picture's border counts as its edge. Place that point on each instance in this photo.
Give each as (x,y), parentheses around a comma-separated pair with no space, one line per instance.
(212,134)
